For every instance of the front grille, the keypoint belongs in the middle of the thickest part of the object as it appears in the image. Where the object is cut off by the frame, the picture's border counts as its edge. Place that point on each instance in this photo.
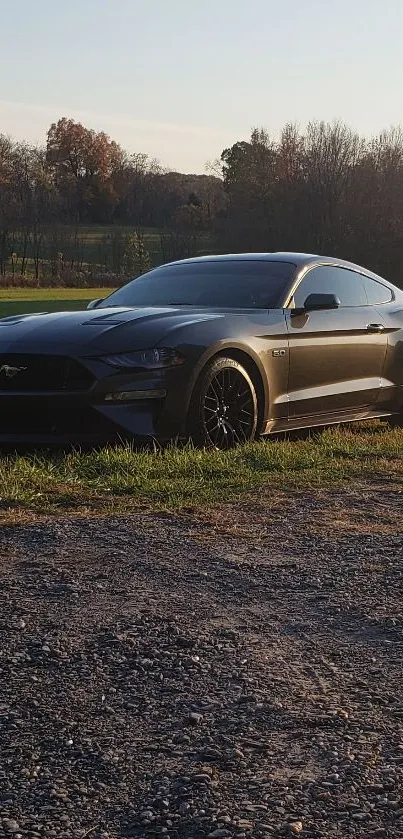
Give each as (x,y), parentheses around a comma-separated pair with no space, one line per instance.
(54,416)
(33,373)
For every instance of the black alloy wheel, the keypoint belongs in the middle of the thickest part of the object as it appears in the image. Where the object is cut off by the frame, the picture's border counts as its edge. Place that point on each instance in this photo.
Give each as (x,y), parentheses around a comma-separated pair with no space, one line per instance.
(224,411)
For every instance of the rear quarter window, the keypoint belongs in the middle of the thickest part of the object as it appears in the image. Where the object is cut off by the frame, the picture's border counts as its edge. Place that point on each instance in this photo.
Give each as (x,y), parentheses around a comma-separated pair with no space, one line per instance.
(377,293)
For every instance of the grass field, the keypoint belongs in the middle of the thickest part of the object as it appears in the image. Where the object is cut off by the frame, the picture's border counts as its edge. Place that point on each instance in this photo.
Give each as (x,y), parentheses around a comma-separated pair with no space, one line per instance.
(121,479)
(14,301)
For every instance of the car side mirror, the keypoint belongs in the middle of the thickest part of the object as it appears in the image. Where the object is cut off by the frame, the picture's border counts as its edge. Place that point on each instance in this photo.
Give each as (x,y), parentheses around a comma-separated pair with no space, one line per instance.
(316,302)
(94,303)
(321,301)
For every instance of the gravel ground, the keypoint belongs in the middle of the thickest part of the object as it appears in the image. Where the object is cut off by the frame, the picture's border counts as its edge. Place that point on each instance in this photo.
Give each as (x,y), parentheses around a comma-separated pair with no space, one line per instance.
(236,674)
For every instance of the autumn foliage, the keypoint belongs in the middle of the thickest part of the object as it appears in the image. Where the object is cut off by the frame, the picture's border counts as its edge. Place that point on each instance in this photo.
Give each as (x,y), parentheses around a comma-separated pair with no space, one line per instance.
(87,168)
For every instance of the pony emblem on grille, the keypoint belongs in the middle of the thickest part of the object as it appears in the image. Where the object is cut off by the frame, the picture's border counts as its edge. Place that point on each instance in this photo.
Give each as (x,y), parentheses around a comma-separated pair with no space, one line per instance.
(10,372)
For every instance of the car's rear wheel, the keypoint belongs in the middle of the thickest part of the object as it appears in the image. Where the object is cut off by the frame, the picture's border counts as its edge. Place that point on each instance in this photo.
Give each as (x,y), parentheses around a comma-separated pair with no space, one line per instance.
(224,406)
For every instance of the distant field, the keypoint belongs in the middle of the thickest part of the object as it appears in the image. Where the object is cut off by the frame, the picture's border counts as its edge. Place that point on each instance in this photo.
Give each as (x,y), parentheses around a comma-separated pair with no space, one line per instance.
(100,246)
(14,301)
(92,244)
(95,238)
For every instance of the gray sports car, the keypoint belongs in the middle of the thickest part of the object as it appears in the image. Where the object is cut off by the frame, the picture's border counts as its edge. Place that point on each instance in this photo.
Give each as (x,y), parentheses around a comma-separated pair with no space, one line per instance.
(219,349)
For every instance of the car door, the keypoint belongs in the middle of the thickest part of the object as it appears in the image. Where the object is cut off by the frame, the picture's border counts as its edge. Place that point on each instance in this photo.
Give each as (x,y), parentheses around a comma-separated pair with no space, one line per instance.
(336,355)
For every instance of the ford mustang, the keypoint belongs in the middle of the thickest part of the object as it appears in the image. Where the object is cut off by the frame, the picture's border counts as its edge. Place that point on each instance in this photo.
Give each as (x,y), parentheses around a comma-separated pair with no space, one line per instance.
(218,349)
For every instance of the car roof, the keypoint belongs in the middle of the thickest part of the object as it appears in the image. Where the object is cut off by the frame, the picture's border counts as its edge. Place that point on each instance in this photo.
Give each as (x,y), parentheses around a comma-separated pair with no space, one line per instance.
(298,259)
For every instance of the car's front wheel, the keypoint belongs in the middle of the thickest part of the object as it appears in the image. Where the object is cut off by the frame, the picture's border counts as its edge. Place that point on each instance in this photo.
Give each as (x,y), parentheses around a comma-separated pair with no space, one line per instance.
(224,407)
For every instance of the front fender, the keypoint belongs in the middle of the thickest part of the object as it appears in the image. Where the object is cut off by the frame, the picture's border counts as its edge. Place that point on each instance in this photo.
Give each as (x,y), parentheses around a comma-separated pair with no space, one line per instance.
(220,348)
(261,336)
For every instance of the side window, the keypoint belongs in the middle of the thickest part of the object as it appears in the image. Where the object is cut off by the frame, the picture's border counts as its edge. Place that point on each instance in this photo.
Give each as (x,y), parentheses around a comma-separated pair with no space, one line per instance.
(376,292)
(345,284)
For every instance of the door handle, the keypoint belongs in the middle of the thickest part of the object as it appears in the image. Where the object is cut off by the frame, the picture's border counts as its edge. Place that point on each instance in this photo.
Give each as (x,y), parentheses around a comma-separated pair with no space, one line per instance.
(375,327)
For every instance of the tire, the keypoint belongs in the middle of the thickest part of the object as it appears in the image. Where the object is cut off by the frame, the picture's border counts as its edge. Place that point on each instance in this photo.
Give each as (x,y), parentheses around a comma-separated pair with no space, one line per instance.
(224,407)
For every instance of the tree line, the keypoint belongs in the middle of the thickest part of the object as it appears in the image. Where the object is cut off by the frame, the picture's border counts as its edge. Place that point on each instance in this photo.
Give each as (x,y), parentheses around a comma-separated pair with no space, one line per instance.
(323,190)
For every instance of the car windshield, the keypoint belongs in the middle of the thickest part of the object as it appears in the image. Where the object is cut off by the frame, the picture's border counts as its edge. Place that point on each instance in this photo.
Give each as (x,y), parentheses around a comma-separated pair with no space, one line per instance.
(230,284)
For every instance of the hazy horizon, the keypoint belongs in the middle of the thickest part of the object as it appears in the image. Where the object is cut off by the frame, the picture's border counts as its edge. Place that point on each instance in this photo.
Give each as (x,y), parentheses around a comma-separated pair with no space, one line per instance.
(181,84)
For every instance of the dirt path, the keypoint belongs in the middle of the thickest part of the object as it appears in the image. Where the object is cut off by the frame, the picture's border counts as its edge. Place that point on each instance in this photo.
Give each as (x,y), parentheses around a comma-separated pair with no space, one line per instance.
(235,675)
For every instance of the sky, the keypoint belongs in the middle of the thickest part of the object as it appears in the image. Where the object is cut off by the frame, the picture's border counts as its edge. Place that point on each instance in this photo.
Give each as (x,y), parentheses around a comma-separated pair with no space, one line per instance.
(183,79)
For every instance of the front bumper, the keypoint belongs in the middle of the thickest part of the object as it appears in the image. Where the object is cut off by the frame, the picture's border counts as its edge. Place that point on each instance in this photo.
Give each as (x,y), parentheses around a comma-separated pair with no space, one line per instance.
(87,417)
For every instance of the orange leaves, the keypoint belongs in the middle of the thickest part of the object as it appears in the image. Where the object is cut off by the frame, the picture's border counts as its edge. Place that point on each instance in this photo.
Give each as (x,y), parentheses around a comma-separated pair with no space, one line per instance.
(77,152)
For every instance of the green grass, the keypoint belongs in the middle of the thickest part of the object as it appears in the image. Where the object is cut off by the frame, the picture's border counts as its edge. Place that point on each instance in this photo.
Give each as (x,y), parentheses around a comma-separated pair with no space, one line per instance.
(15,301)
(117,479)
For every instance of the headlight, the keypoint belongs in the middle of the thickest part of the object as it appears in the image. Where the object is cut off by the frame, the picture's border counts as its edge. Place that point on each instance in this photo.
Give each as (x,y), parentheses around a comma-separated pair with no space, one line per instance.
(145,359)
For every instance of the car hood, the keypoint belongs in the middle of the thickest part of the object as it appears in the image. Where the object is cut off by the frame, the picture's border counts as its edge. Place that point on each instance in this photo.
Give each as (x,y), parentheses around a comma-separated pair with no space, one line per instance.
(97,330)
